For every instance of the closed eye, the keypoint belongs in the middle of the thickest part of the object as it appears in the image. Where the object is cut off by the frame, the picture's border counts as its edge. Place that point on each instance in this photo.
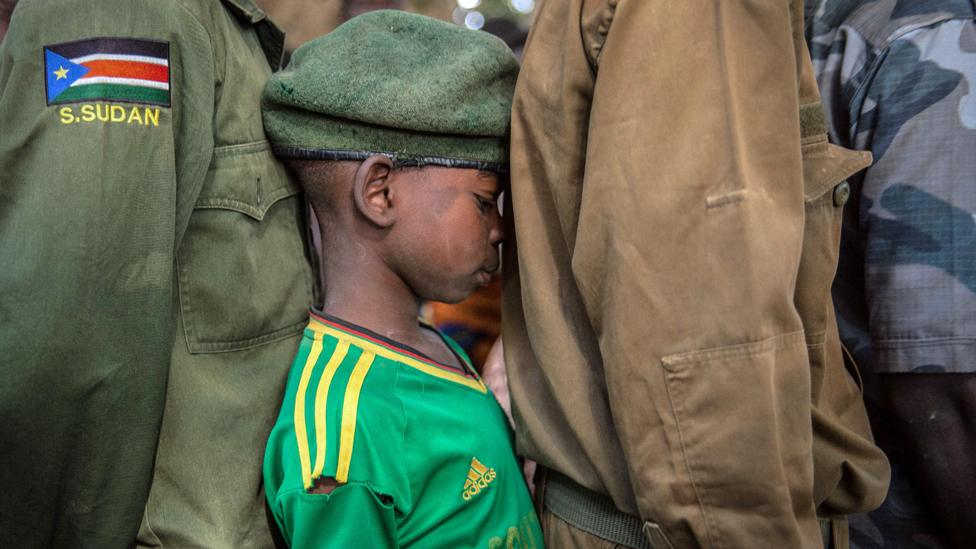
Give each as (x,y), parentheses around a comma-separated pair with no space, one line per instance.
(485,204)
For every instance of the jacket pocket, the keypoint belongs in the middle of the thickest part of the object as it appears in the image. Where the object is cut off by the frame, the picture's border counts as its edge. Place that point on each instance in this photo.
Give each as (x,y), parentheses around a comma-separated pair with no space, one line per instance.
(742,419)
(243,276)
(826,168)
(850,472)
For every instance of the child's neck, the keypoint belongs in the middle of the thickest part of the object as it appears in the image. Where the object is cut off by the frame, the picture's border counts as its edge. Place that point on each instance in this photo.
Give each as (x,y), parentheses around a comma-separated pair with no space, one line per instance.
(372,303)
(367,293)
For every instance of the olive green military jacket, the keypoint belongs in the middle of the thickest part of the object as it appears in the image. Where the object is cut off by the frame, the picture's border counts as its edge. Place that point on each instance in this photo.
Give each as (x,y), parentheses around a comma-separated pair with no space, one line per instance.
(669,335)
(154,281)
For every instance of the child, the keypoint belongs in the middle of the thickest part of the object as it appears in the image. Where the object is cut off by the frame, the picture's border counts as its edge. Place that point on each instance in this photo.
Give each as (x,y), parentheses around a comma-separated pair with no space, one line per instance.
(395,125)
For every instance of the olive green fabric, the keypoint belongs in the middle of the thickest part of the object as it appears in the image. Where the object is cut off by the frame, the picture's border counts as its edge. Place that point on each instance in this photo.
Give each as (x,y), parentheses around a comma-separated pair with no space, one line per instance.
(154,285)
(413,87)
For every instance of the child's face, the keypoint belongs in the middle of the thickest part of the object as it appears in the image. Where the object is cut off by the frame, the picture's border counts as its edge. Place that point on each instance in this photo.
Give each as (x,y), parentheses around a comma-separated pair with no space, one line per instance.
(449,231)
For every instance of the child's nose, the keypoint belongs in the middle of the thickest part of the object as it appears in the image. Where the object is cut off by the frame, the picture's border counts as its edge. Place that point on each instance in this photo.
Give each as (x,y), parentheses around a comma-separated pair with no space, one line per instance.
(497,233)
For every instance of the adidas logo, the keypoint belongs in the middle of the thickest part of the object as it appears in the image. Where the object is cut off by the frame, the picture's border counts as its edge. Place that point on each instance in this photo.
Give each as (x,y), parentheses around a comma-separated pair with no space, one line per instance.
(479,477)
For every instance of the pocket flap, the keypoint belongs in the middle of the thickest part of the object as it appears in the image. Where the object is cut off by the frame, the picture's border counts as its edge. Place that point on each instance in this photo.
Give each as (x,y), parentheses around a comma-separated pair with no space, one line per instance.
(245,178)
(825,165)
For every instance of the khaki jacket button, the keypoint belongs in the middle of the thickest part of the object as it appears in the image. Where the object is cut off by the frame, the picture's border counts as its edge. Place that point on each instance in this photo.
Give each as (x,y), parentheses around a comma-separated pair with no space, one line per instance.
(842,192)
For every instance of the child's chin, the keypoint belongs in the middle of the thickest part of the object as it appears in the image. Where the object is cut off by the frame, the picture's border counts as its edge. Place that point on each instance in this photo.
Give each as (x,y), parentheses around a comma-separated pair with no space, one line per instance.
(454,300)
(452,296)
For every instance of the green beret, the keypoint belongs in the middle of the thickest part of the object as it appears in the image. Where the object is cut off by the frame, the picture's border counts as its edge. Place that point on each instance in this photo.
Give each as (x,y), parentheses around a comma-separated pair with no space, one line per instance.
(420,90)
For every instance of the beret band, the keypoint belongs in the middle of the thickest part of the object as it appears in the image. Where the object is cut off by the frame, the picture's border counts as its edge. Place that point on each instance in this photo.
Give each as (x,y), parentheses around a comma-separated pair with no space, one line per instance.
(338,154)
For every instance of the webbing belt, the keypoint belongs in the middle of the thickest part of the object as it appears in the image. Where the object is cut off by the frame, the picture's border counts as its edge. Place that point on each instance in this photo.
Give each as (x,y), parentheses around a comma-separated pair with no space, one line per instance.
(596,514)
(826,531)
(592,512)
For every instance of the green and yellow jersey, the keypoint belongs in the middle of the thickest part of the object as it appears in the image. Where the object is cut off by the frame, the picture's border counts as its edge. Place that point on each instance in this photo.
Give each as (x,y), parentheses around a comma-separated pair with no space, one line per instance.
(421,451)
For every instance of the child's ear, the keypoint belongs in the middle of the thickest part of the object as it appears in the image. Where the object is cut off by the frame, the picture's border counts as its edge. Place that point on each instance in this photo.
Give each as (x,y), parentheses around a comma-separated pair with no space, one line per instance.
(371,190)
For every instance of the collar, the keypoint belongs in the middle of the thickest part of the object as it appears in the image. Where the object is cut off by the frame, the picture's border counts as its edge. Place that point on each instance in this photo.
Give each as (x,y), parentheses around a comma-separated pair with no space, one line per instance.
(271,37)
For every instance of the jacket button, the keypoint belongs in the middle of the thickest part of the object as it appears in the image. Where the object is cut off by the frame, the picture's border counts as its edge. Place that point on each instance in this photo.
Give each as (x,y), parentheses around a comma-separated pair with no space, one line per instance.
(842,192)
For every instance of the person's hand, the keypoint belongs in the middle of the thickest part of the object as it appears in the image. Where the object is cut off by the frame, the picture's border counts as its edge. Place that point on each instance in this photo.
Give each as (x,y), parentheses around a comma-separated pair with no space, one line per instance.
(496,378)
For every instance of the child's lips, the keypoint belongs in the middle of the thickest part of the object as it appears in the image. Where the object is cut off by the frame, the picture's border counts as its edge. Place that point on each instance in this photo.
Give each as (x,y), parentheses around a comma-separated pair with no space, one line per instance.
(486,274)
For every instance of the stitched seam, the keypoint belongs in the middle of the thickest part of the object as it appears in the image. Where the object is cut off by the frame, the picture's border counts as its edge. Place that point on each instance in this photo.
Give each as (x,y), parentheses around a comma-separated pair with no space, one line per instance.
(901,32)
(922,341)
(730,351)
(686,458)
(213,56)
(881,52)
(247,343)
(242,148)
(780,341)
(183,291)
(408,471)
(814,139)
(150,528)
(257,211)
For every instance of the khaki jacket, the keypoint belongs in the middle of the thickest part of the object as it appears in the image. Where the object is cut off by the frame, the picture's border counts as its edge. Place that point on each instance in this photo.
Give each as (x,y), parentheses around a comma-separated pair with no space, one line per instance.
(668,330)
(154,282)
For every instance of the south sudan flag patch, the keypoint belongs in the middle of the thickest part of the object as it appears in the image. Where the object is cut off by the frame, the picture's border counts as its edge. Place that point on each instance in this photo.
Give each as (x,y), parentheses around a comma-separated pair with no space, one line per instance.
(108,69)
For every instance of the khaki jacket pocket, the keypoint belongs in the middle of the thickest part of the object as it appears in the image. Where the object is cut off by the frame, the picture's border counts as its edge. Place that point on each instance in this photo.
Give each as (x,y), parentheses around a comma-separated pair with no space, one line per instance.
(742,417)
(244,279)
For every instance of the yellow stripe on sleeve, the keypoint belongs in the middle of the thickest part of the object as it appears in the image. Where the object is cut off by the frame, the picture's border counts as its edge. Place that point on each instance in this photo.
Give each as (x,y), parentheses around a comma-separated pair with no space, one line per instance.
(300,433)
(350,404)
(321,399)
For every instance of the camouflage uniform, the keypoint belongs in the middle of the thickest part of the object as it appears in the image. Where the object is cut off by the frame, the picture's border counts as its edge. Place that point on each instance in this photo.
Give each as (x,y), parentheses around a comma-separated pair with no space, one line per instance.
(896,78)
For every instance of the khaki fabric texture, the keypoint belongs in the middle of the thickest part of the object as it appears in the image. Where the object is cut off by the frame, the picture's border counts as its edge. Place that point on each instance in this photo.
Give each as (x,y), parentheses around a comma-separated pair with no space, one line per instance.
(154,288)
(668,330)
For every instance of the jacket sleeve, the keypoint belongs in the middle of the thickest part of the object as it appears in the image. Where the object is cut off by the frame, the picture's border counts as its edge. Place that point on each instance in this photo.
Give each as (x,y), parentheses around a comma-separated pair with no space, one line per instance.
(685,250)
(96,184)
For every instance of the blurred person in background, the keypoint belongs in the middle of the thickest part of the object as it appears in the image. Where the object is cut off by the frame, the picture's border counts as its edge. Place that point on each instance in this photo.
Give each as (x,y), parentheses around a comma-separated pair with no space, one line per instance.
(303,20)
(897,79)
(475,323)
(6,10)
(672,352)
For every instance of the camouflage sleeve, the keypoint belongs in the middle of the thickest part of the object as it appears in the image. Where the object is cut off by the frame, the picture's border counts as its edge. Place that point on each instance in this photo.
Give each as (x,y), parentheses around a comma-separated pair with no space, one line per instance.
(841,59)
(894,78)
(914,219)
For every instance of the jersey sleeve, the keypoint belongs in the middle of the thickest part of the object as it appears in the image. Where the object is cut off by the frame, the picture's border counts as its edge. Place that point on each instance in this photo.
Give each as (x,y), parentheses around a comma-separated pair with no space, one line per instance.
(105,110)
(353,515)
(342,421)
